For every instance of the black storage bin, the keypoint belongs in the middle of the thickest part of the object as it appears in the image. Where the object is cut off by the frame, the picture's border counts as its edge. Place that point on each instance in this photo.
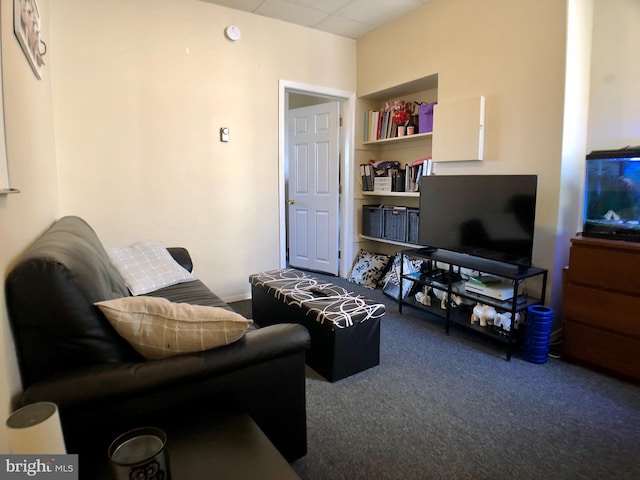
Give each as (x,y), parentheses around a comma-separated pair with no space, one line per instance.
(372,221)
(394,223)
(413,219)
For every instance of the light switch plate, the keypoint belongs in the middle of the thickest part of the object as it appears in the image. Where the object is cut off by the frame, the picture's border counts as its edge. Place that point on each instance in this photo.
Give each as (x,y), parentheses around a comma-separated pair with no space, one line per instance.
(224,134)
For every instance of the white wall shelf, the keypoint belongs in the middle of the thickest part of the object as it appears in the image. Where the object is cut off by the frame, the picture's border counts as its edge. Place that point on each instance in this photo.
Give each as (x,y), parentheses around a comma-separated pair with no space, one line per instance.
(406,138)
(391,194)
(391,242)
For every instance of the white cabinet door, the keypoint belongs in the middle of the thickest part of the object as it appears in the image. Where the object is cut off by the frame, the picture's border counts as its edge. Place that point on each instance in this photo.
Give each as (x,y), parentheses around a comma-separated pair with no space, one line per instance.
(458,130)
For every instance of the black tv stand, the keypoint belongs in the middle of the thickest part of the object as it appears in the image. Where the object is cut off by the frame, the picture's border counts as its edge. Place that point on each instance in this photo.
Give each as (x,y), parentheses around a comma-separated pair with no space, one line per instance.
(444,277)
(449,281)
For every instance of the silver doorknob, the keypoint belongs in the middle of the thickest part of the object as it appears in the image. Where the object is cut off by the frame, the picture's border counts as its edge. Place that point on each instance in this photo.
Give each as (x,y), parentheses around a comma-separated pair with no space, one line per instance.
(291,202)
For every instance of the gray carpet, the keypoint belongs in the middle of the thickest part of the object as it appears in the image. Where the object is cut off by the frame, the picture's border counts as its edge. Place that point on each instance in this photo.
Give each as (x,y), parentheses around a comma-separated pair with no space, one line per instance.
(452,407)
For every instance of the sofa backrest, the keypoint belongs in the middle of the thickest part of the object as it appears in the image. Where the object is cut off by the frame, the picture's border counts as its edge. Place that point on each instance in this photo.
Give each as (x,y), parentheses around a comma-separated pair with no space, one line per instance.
(50,295)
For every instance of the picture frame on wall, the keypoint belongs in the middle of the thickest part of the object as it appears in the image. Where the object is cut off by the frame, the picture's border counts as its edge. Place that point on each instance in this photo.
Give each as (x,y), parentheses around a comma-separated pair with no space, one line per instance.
(26,26)
(5,186)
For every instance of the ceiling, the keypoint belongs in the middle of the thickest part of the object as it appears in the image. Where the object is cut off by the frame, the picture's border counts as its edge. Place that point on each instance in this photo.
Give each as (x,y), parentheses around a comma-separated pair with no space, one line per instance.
(348,18)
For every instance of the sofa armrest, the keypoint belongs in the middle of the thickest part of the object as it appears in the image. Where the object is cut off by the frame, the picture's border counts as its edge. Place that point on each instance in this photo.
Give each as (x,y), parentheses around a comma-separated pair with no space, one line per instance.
(108,383)
(182,256)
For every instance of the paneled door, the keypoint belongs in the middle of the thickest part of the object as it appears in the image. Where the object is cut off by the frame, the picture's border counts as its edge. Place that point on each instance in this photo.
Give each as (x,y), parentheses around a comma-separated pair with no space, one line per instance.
(313,187)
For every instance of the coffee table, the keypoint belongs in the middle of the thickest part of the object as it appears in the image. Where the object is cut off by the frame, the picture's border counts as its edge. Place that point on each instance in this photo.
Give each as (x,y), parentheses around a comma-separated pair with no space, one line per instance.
(230,446)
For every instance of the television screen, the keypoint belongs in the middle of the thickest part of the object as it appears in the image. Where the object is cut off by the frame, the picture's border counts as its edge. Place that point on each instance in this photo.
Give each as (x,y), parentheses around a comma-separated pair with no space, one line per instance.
(489,216)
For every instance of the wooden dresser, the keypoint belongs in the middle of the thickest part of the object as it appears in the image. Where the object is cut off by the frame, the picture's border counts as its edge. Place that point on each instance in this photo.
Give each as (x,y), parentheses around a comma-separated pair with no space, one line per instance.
(601,305)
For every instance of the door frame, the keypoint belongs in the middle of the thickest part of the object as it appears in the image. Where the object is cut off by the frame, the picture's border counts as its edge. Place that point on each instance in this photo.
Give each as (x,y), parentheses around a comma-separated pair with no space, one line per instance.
(347,152)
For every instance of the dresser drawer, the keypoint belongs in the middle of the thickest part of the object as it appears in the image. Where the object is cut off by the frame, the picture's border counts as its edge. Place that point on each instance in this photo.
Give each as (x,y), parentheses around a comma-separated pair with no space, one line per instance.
(601,348)
(605,267)
(602,308)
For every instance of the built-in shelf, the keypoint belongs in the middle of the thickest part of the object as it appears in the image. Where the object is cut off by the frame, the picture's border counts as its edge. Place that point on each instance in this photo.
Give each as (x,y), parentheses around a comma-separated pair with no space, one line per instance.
(406,138)
(391,194)
(408,88)
(6,191)
(405,150)
(392,242)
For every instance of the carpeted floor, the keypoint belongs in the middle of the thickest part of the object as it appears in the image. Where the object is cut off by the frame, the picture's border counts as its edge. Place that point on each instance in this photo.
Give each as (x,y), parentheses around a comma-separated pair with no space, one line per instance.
(452,407)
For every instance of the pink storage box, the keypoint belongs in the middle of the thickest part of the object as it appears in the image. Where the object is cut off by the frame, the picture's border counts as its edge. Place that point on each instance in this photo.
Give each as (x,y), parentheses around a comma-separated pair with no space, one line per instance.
(425,117)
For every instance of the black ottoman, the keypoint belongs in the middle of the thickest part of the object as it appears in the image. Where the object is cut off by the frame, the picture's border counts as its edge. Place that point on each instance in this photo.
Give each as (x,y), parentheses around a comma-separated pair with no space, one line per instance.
(344,326)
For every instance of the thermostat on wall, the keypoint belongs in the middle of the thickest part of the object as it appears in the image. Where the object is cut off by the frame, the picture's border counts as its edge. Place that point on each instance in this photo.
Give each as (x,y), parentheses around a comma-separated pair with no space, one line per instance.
(232,33)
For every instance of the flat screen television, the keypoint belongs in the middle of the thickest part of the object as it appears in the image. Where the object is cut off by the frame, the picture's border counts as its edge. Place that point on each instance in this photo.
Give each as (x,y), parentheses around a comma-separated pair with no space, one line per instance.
(489,216)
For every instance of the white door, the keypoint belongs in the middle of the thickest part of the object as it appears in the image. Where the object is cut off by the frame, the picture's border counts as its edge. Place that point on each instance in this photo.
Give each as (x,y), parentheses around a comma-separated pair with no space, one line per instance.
(313,187)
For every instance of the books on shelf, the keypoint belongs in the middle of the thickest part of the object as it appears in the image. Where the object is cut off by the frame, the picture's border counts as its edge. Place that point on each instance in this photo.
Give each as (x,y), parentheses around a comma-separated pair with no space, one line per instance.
(367,175)
(415,170)
(383,123)
(393,179)
(412,178)
(381,178)
(397,181)
(379,126)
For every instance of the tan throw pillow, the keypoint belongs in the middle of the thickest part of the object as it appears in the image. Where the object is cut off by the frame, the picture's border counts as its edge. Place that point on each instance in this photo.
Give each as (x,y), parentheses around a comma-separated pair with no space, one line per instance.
(158,328)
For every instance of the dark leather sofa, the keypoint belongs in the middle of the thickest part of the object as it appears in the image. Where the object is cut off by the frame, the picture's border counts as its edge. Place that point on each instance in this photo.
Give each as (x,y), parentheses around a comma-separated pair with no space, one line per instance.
(69,354)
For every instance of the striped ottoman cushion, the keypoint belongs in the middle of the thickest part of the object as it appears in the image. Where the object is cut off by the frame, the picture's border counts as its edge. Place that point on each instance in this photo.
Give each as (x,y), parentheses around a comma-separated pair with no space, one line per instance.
(329,304)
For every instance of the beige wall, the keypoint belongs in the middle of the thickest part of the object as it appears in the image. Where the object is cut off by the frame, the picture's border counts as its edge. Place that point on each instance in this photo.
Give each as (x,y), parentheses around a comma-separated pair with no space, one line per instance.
(141,90)
(513,53)
(137,92)
(614,115)
(32,169)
